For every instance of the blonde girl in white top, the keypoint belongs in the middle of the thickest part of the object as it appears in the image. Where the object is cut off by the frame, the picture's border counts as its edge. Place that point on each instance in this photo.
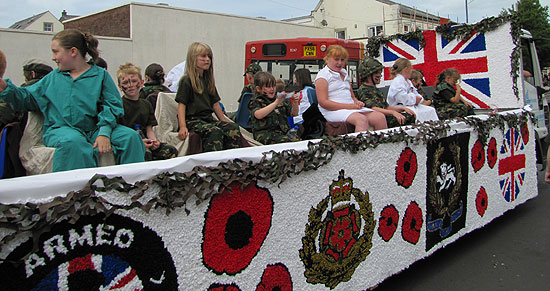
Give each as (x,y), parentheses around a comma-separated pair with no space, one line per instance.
(335,95)
(403,93)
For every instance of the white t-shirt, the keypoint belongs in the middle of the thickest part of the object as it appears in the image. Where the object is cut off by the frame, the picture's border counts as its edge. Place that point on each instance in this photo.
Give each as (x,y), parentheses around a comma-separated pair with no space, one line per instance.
(338,91)
(173,77)
(304,105)
(402,92)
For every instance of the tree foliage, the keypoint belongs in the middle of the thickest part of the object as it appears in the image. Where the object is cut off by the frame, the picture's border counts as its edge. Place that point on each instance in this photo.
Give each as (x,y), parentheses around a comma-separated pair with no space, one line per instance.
(534,18)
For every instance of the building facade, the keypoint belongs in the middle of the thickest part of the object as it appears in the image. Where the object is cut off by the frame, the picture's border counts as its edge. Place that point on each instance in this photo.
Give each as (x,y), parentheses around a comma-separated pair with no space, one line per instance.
(360,19)
(44,21)
(146,33)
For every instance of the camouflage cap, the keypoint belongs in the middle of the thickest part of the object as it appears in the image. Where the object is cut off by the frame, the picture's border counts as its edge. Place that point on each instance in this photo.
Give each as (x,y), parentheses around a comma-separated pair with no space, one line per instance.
(253,68)
(37,65)
(368,66)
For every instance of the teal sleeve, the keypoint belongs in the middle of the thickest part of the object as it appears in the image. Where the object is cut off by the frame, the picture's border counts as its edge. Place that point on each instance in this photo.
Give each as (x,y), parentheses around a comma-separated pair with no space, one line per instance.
(111,107)
(21,99)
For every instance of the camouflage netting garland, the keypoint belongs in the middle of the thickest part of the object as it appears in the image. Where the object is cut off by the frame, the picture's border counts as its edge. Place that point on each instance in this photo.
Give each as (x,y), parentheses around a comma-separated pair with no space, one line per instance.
(375,42)
(202,182)
(463,31)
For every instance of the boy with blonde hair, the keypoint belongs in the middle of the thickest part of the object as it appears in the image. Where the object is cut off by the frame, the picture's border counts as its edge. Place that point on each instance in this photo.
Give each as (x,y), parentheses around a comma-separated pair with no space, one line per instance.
(139,114)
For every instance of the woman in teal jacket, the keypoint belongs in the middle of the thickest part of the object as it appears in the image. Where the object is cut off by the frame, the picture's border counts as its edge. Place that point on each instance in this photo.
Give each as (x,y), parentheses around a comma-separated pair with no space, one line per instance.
(80,104)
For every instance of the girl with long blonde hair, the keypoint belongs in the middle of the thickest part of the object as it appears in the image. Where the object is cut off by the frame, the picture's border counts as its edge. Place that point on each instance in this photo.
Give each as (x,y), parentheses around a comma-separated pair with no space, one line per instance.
(198,98)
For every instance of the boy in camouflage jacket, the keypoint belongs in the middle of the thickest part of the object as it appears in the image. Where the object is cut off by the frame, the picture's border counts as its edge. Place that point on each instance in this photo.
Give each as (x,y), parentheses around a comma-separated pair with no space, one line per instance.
(269,111)
(370,72)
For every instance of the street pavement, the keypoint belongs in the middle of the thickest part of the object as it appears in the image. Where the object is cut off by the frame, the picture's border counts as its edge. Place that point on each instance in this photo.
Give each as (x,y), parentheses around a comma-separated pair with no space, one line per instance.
(510,253)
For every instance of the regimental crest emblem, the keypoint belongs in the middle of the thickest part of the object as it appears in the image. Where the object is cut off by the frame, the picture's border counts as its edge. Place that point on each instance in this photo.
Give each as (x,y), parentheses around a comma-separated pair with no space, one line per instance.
(447,186)
(338,235)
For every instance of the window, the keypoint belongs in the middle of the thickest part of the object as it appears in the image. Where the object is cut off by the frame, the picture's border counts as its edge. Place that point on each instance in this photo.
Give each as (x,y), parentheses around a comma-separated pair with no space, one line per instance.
(48,26)
(341,34)
(527,60)
(405,28)
(375,30)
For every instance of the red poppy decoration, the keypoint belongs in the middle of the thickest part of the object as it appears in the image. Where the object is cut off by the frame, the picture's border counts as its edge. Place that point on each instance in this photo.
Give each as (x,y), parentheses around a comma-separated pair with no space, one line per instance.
(405,171)
(481,201)
(275,277)
(236,225)
(387,224)
(492,155)
(478,156)
(412,223)
(223,287)
(524,132)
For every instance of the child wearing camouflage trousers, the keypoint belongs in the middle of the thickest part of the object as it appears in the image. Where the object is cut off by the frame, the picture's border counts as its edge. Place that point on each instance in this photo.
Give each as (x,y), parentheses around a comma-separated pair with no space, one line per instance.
(198,98)
(370,72)
(139,114)
(269,111)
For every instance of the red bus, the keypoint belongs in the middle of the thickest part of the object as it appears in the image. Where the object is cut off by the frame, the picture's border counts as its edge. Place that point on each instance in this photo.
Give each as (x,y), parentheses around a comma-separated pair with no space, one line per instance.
(281,57)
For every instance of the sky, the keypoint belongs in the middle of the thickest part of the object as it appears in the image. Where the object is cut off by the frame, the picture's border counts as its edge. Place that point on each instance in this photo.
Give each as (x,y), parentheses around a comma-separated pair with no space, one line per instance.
(12,11)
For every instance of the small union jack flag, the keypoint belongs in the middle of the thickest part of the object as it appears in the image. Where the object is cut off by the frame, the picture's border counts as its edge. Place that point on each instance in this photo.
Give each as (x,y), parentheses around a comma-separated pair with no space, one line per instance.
(117,274)
(511,166)
(468,56)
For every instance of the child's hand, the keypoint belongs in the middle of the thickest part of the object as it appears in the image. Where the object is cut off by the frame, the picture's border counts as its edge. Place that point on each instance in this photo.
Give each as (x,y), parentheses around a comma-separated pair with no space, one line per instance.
(3,63)
(400,118)
(409,111)
(427,102)
(182,134)
(295,98)
(103,144)
(148,142)
(156,144)
(280,98)
(467,103)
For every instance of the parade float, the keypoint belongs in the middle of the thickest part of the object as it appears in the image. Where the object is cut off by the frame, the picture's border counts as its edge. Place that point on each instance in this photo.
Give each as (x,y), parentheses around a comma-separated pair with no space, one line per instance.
(340,213)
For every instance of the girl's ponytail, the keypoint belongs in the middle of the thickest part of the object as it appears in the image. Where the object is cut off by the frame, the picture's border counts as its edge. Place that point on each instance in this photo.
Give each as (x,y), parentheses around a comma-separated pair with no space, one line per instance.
(399,65)
(91,45)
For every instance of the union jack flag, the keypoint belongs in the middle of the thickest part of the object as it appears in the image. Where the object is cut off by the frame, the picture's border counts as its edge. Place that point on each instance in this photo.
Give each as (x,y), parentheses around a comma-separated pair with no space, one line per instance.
(468,56)
(117,274)
(511,166)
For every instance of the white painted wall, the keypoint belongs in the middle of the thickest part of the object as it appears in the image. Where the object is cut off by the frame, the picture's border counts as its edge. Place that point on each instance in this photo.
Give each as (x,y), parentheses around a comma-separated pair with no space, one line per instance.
(163,34)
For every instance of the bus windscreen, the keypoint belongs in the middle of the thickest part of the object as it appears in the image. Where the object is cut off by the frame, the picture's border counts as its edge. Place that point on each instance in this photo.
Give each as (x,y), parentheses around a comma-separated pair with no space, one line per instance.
(274,50)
